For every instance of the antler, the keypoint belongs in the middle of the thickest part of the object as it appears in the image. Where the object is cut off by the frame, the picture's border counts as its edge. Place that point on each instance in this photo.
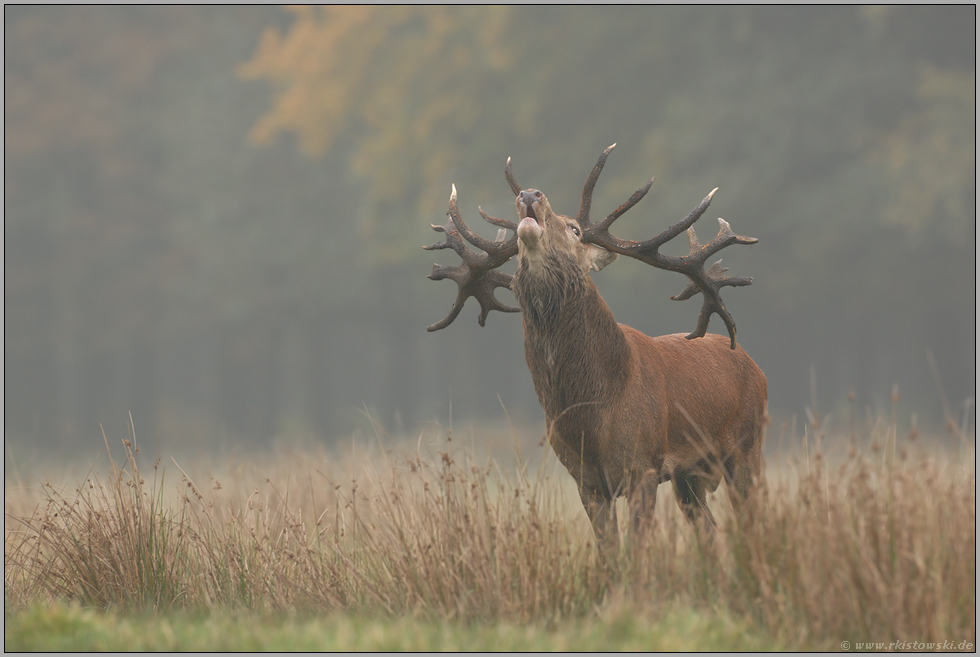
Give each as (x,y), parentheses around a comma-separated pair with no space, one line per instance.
(476,276)
(692,265)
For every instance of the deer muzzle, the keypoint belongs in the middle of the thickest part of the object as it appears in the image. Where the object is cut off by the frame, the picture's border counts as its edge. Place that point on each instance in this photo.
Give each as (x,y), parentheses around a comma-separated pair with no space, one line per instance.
(529,209)
(526,201)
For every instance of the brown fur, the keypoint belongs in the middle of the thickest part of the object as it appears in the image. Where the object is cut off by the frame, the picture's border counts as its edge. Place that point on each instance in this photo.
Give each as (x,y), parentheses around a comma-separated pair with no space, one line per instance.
(625,411)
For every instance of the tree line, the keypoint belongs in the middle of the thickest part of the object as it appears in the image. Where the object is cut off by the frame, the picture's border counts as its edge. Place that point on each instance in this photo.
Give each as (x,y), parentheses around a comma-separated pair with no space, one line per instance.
(212,215)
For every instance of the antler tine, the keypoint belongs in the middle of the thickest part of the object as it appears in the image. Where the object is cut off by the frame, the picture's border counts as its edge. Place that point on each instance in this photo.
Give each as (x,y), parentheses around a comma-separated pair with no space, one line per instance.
(490,246)
(476,276)
(514,186)
(502,223)
(630,202)
(583,210)
(716,273)
(683,224)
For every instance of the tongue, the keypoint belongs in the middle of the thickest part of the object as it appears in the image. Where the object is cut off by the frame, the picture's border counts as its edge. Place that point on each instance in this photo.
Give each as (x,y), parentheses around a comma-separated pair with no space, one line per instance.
(529,229)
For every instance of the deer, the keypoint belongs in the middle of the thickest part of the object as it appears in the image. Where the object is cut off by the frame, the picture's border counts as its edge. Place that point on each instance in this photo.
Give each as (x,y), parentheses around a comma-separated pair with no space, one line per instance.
(625,412)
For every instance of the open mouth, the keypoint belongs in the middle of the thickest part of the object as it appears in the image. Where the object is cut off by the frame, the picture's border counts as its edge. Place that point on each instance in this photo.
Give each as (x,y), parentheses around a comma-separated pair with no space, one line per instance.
(531,221)
(531,227)
(527,200)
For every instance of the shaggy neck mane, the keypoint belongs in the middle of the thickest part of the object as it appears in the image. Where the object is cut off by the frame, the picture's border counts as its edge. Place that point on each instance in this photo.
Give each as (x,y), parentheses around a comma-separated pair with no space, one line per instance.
(575,350)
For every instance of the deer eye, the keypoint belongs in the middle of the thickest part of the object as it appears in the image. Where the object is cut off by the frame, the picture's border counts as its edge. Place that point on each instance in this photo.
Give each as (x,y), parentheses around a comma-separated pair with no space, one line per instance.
(575,230)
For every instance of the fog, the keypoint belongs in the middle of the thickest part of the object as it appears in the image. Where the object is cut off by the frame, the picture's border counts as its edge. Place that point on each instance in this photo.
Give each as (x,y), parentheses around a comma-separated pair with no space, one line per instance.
(212,215)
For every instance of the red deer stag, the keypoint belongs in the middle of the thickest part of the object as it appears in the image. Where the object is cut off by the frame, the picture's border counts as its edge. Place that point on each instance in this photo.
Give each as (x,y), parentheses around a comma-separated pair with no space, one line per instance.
(625,412)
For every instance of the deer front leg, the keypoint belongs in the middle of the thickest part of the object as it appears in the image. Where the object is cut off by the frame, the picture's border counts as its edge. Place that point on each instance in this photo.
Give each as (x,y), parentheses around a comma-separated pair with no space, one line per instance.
(602,513)
(643,501)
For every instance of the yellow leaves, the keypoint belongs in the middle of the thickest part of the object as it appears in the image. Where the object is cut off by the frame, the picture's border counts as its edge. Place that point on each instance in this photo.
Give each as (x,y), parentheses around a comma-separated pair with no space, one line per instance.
(370,72)
(397,84)
(317,67)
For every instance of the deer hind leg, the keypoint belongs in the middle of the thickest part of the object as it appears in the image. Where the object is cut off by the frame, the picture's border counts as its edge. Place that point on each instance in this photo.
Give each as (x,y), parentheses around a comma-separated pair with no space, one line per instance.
(743,469)
(690,491)
(740,477)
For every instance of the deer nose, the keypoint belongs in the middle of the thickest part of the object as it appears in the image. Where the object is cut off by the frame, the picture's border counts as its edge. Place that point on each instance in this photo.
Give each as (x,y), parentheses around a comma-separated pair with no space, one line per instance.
(529,196)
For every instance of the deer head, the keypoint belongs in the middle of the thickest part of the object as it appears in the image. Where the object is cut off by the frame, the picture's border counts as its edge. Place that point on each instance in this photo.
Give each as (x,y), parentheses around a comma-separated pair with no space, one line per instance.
(542,234)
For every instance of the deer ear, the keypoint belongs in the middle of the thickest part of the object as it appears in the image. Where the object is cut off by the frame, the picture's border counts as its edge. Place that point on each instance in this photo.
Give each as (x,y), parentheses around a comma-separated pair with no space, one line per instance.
(600,257)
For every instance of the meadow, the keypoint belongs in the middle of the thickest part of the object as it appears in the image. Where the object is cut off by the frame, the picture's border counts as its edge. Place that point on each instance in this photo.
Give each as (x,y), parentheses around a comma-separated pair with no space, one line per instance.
(855,536)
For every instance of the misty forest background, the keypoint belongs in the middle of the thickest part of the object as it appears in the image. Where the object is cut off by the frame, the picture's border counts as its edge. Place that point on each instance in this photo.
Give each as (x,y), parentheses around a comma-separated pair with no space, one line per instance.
(212,216)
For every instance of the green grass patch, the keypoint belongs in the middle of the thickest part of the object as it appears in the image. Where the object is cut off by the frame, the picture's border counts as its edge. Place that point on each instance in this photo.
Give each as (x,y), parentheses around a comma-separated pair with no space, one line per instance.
(60,627)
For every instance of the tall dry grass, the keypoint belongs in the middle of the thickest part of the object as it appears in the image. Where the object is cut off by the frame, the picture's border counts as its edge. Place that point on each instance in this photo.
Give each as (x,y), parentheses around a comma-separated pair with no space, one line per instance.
(881,543)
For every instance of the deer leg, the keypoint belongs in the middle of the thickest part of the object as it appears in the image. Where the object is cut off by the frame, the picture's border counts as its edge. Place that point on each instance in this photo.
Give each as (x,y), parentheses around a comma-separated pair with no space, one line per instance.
(743,469)
(602,513)
(739,478)
(643,501)
(689,489)
(742,473)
